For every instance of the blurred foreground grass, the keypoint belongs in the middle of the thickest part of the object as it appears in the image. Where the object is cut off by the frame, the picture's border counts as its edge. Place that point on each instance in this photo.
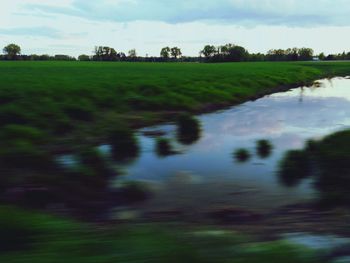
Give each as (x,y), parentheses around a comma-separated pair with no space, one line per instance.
(30,237)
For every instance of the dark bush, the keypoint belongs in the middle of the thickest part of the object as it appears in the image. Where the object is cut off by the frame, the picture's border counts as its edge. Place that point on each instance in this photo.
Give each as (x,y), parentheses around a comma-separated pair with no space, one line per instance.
(124,143)
(163,147)
(242,155)
(328,161)
(333,158)
(188,129)
(294,167)
(92,159)
(264,148)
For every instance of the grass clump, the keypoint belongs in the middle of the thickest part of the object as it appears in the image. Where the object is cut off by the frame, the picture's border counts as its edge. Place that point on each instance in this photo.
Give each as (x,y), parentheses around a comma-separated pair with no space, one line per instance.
(124,143)
(264,148)
(21,147)
(164,147)
(242,155)
(294,167)
(188,129)
(328,162)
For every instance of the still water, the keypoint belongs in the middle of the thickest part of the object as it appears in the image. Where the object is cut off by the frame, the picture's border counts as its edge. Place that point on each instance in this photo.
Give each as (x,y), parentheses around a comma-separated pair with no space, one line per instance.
(205,175)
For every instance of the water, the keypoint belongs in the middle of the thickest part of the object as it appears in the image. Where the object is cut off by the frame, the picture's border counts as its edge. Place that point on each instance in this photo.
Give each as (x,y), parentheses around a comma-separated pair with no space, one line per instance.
(205,174)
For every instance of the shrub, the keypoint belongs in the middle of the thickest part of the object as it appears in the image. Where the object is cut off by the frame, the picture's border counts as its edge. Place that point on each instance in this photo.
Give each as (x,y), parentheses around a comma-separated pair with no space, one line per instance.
(264,148)
(294,166)
(163,147)
(242,155)
(92,159)
(124,143)
(188,129)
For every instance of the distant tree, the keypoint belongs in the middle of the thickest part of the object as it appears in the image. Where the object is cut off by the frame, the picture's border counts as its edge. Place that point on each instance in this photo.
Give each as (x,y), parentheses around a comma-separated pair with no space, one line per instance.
(98,53)
(105,54)
(237,53)
(330,57)
(132,53)
(276,55)
(121,56)
(348,56)
(12,51)
(165,52)
(84,58)
(63,57)
(342,56)
(257,57)
(305,54)
(176,52)
(34,57)
(225,50)
(112,55)
(292,54)
(321,56)
(44,57)
(208,51)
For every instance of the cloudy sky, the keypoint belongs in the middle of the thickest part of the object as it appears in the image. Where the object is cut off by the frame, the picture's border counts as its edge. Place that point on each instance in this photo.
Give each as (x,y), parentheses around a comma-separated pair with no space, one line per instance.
(75,26)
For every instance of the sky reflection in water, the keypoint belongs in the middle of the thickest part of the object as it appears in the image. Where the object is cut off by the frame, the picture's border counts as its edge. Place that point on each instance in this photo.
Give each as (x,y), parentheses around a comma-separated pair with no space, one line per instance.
(206,174)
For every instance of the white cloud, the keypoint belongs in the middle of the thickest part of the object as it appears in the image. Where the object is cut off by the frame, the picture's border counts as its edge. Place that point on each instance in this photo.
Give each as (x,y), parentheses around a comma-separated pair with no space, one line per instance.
(76,26)
(271,12)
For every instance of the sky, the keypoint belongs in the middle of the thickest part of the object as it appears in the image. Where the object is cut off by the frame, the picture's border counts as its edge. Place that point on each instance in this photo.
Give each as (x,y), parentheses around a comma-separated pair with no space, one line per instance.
(75,27)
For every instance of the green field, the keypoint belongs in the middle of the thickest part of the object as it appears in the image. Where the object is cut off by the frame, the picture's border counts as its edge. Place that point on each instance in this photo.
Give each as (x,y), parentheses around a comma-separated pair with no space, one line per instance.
(59,97)
(70,106)
(51,107)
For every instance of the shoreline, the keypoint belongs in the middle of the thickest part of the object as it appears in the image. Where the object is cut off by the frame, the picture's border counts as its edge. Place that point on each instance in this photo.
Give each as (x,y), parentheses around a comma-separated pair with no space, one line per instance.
(137,121)
(213,107)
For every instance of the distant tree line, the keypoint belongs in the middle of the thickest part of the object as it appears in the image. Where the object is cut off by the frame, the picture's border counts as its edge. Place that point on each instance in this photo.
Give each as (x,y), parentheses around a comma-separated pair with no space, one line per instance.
(226,53)
(210,54)
(13,52)
(291,54)
(43,57)
(340,56)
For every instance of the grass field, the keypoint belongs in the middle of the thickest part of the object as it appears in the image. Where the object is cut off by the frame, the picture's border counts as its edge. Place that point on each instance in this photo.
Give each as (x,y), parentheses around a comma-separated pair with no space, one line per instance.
(59,96)
(75,104)
(46,107)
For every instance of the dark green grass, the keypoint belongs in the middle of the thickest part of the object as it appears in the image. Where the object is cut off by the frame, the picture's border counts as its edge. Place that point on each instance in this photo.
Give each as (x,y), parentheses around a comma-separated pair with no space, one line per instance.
(28,237)
(81,91)
(59,97)
(164,86)
(328,162)
(50,107)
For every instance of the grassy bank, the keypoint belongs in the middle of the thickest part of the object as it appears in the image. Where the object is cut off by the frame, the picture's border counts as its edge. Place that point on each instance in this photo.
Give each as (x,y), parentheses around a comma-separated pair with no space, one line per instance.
(62,97)
(49,106)
(31,237)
